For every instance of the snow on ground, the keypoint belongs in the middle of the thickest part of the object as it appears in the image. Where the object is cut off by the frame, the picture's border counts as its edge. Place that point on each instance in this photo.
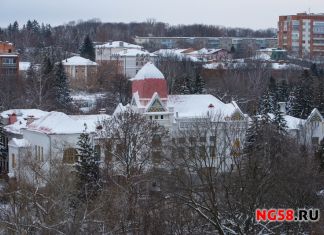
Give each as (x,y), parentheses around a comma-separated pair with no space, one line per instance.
(24,66)
(86,101)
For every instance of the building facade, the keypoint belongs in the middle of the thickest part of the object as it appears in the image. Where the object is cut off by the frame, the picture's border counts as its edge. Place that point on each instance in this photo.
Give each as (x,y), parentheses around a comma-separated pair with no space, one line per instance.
(9,59)
(128,58)
(79,70)
(208,42)
(302,34)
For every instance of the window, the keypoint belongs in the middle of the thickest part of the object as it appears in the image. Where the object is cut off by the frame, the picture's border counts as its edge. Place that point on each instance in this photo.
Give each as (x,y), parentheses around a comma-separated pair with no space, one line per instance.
(192,152)
(156,117)
(13,158)
(192,140)
(108,152)
(97,152)
(202,139)
(315,140)
(181,140)
(156,141)
(212,152)
(212,138)
(202,152)
(151,117)
(70,156)
(162,117)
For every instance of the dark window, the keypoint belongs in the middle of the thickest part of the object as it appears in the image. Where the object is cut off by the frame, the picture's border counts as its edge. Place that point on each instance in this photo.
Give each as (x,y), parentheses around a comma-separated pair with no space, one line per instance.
(162,117)
(202,139)
(70,156)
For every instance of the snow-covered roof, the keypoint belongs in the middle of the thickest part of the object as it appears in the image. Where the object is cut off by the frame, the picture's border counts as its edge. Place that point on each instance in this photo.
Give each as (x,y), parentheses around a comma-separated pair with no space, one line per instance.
(56,123)
(117,44)
(134,52)
(18,142)
(278,66)
(292,122)
(24,66)
(176,53)
(148,71)
(22,115)
(90,120)
(204,51)
(78,60)
(262,56)
(120,108)
(199,105)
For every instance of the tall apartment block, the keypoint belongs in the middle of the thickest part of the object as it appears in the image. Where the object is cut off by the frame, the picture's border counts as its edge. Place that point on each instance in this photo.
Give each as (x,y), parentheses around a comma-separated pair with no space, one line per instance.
(302,34)
(9,60)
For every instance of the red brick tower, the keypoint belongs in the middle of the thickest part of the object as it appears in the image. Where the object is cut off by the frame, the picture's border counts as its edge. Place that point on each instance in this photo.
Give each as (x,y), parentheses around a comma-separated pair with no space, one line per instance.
(148,81)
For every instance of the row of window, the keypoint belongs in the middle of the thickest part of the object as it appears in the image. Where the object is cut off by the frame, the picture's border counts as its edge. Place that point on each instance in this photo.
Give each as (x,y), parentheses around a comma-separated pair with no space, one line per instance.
(39,153)
(157,117)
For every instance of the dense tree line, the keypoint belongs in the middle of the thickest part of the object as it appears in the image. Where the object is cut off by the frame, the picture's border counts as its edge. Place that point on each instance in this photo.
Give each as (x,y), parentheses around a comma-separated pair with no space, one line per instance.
(71,35)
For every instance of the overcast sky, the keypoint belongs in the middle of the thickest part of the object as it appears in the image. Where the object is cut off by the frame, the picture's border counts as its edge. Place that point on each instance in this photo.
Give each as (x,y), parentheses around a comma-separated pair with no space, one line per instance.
(233,13)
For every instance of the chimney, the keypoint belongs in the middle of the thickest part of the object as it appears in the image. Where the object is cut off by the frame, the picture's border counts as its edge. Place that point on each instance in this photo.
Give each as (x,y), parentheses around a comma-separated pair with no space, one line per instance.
(110,42)
(12,118)
(282,107)
(30,119)
(121,44)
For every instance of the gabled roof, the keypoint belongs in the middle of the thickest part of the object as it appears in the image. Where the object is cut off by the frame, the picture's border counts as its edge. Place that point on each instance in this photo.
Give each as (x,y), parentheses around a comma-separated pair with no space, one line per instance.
(313,114)
(78,60)
(148,71)
(155,104)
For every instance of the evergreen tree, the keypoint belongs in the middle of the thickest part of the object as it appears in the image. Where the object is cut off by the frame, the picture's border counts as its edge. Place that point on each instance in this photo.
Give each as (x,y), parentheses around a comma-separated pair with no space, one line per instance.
(199,85)
(319,95)
(87,49)
(314,69)
(265,107)
(279,120)
(62,92)
(251,136)
(282,91)
(304,97)
(87,168)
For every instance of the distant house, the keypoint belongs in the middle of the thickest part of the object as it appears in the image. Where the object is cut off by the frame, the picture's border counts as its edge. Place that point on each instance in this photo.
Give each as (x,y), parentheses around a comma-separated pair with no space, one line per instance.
(9,59)
(271,53)
(51,137)
(106,51)
(211,54)
(79,69)
(11,124)
(128,57)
